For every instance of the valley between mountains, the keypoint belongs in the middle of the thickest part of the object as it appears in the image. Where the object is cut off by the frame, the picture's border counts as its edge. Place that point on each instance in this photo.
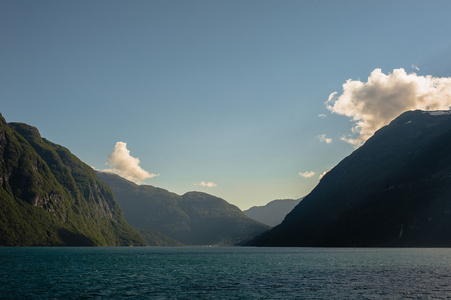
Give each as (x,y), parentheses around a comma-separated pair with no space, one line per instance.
(393,191)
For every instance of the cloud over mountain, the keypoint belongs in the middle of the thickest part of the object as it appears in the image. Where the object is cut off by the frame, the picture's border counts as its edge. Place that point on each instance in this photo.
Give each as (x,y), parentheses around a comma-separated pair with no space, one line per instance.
(322,174)
(206,184)
(373,104)
(125,165)
(307,174)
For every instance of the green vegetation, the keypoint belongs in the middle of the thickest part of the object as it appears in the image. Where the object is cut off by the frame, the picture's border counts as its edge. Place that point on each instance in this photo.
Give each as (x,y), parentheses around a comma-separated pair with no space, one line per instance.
(192,219)
(154,238)
(49,197)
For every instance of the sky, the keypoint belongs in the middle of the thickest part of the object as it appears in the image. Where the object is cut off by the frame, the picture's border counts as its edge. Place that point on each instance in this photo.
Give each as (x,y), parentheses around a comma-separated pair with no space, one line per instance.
(250,101)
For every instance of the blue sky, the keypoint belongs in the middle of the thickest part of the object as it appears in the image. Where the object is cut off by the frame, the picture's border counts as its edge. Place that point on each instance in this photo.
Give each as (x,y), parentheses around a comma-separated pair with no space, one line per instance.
(227,92)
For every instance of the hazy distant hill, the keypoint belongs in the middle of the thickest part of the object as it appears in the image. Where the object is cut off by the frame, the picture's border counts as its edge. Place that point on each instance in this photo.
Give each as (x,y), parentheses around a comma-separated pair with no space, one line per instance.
(395,190)
(193,219)
(48,197)
(273,213)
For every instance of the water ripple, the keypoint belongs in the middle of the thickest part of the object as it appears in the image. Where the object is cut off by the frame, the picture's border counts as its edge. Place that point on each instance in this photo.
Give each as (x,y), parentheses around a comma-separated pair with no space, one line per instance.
(224,273)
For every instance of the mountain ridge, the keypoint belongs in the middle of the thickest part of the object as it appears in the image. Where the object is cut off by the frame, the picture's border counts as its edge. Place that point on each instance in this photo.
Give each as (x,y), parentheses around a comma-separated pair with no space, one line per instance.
(273,213)
(391,192)
(50,198)
(194,218)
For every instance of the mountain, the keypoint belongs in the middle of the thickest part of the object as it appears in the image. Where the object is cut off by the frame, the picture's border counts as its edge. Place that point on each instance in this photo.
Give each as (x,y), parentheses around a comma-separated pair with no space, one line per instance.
(193,219)
(393,191)
(273,213)
(48,197)
(154,238)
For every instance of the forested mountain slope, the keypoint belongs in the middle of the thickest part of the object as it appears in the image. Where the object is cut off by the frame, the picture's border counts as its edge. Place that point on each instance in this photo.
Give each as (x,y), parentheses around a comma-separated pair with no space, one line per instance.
(193,219)
(48,197)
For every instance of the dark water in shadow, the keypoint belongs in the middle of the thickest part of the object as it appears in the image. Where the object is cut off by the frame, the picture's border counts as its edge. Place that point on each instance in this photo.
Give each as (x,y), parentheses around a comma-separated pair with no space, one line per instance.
(224,273)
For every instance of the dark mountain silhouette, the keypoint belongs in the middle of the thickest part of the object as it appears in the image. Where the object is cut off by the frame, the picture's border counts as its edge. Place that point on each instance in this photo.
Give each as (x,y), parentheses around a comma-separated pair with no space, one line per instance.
(395,191)
(193,219)
(48,197)
(273,212)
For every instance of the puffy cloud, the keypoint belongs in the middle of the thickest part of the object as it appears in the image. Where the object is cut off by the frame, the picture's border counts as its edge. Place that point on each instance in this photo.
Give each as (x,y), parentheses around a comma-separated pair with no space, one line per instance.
(373,104)
(125,165)
(307,174)
(206,184)
(323,138)
(322,116)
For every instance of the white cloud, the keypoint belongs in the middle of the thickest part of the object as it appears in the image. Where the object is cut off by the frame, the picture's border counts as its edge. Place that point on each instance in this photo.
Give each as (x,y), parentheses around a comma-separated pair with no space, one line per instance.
(125,165)
(322,115)
(415,68)
(206,184)
(322,174)
(307,174)
(323,138)
(373,104)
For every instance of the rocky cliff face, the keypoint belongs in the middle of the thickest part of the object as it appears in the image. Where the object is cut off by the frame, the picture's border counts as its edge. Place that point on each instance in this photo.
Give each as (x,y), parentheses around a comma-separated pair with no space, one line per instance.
(393,191)
(49,197)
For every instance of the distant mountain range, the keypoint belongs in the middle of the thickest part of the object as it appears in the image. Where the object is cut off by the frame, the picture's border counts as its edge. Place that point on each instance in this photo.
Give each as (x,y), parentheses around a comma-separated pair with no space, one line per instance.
(194,218)
(273,213)
(394,191)
(48,197)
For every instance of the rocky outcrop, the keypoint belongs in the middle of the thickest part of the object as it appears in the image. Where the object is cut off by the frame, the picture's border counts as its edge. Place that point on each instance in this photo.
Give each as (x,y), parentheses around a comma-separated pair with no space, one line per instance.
(48,197)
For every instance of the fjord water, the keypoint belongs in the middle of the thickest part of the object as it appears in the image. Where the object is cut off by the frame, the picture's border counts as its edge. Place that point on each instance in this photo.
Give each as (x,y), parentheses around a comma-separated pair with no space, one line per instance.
(224,273)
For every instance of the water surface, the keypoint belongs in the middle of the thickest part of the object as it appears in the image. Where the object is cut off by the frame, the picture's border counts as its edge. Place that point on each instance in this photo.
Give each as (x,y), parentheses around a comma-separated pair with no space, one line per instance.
(225,273)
